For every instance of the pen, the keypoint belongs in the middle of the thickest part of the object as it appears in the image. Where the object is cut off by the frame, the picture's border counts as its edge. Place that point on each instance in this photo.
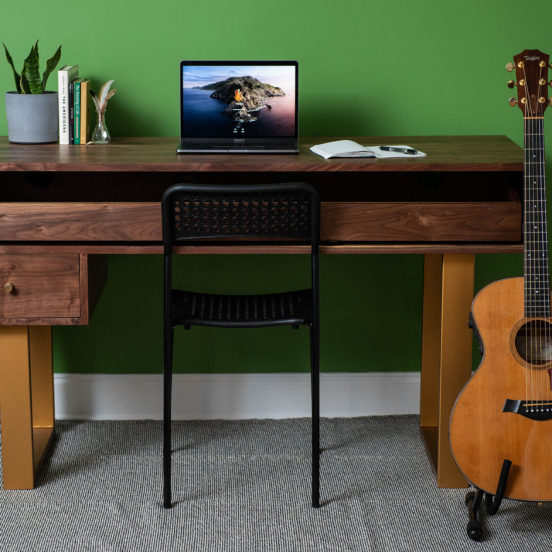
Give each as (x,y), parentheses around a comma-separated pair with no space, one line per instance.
(409,151)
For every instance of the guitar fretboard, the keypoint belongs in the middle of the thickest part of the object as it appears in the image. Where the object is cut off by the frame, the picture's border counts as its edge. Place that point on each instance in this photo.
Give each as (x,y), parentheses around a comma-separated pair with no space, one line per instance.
(537,286)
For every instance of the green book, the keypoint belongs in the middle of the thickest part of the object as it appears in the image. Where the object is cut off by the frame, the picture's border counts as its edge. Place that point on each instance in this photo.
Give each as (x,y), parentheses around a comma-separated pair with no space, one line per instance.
(77,119)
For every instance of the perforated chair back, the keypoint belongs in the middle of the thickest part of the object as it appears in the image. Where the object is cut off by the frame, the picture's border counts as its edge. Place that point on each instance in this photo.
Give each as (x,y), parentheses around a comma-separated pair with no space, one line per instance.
(288,211)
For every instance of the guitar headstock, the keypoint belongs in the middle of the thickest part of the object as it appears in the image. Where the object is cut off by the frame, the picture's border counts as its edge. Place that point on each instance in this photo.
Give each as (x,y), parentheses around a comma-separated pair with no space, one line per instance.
(532,82)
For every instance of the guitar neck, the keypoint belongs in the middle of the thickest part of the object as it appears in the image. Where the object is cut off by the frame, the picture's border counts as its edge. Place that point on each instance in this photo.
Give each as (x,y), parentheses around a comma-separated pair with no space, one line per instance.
(537,286)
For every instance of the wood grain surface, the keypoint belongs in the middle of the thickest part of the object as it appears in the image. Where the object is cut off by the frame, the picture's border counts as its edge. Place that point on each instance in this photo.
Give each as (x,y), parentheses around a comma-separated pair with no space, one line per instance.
(44,286)
(482,436)
(421,221)
(50,287)
(258,249)
(444,153)
(340,221)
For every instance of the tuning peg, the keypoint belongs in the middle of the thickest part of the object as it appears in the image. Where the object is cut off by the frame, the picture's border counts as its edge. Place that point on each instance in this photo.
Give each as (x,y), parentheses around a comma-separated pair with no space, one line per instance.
(512,102)
(511,84)
(510,67)
(550,100)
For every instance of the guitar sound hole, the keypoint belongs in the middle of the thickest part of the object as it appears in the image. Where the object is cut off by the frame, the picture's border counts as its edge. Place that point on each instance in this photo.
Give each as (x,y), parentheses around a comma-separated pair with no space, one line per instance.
(534,342)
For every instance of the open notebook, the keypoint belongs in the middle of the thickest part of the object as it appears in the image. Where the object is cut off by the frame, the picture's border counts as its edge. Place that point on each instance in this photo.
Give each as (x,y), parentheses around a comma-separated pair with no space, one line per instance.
(349,148)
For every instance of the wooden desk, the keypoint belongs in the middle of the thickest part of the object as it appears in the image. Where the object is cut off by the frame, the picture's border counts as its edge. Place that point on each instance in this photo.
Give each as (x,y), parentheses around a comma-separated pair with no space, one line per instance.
(62,207)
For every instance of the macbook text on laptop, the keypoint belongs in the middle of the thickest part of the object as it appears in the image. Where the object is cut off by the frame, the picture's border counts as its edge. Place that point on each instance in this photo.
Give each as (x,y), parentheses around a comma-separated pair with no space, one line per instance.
(238,107)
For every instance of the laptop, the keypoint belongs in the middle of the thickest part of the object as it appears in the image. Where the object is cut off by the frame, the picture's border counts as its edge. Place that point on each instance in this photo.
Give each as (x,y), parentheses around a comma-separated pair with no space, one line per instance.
(238,107)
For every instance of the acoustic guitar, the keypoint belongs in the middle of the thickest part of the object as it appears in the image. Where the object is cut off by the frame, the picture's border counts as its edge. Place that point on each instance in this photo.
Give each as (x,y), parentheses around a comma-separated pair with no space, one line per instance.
(503,416)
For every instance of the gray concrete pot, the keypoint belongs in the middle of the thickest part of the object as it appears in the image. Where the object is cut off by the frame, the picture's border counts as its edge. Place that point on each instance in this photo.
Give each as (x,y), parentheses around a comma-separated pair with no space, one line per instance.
(32,118)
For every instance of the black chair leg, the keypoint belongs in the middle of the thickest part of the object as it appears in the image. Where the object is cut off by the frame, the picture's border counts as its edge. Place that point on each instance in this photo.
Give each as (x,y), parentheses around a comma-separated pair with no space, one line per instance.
(167,396)
(315,416)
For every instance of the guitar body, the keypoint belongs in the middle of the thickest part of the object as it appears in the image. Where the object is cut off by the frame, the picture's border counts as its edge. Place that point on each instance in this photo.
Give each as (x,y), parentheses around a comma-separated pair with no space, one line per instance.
(482,434)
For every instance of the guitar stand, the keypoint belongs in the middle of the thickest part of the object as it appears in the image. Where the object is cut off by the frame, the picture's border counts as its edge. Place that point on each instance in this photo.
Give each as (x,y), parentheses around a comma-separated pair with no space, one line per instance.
(492,503)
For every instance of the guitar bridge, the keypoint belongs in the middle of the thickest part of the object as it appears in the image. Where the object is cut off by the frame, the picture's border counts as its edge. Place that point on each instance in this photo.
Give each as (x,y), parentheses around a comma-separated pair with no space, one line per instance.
(535,410)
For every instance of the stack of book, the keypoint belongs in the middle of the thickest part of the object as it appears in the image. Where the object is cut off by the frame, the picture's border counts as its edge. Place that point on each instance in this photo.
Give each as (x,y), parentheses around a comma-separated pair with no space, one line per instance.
(74,105)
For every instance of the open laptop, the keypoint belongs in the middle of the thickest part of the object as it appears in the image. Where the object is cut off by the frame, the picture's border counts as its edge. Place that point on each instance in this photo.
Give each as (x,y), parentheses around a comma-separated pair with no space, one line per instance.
(238,107)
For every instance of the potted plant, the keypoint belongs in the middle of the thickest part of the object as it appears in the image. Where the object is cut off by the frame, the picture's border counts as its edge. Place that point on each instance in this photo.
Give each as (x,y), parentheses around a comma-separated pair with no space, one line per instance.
(32,111)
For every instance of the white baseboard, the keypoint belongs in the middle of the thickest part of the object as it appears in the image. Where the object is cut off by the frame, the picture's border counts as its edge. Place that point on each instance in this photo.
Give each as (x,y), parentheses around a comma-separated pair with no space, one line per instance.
(234,396)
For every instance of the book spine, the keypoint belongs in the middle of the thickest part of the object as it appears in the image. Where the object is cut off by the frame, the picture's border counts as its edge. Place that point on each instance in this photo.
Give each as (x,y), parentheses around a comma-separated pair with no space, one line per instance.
(63,105)
(77,117)
(84,112)
(71,112)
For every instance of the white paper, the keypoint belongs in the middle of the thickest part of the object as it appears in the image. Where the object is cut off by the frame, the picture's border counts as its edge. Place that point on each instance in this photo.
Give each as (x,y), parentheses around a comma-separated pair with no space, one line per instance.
(349,148)
(341,148)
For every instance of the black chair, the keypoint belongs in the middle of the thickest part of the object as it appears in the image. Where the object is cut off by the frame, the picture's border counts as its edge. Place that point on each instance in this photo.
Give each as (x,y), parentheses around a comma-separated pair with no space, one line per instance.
(228,214)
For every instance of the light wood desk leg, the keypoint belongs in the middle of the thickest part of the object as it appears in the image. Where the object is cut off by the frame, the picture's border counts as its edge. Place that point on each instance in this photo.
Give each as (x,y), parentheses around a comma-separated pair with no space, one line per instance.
(446,355)
(26,401)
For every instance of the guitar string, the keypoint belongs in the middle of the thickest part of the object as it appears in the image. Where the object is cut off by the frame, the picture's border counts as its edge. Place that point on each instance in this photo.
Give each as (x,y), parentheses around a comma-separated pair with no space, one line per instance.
(545,282)
(531,247)
(535,342)
(540,285)
(542,272)
(542,257)
(544,299)
(527,254)
(541,325)
(545,271)
(536,327)
(529,226)
(538,224)
(527,238)
(536,345)
(546,373)
(547,381)
(532,264)
(534,337)
(537,311)
(532,343)
(530,256)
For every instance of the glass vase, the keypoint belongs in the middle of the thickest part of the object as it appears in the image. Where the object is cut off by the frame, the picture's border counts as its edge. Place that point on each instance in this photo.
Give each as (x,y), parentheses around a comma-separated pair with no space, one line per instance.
(101,134)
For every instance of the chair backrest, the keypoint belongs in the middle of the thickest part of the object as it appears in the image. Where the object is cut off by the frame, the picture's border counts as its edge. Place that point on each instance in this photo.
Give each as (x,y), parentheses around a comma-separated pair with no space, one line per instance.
(288,211)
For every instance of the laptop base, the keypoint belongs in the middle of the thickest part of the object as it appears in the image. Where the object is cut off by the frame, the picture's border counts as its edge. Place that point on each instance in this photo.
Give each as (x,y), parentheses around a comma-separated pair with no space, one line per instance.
(203,148)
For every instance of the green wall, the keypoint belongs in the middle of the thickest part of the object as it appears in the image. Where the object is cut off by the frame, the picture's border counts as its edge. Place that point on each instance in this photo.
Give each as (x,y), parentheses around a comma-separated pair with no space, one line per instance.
(366,68)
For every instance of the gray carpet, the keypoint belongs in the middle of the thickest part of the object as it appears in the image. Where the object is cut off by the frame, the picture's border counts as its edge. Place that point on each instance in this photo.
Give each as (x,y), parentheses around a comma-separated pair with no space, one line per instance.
(244,486)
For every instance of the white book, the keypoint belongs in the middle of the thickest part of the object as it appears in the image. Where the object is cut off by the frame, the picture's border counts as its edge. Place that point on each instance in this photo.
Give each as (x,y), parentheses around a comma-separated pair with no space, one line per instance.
(65,75)
(349,148)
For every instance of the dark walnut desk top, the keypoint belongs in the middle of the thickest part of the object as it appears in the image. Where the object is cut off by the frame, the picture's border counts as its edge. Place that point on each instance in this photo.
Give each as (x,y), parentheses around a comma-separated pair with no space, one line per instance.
(444,153)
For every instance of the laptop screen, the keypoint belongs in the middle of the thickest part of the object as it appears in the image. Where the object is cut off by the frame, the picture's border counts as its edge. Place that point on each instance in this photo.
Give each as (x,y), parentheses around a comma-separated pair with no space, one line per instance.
(238,99)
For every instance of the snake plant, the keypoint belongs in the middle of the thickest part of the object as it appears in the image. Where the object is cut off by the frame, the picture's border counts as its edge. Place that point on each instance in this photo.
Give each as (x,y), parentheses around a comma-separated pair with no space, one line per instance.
(29,81)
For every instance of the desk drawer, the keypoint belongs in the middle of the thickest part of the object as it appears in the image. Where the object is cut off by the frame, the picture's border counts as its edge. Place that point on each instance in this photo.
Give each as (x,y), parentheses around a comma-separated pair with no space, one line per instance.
(43,286)
(44,289)
(449,221)
(341,221)
(80,222)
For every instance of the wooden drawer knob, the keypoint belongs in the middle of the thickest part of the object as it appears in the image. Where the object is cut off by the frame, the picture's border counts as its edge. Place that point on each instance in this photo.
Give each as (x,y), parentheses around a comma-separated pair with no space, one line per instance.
(8,288)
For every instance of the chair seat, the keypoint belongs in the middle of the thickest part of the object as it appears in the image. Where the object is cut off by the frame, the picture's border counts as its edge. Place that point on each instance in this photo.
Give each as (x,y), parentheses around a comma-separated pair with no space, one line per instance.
(241,311)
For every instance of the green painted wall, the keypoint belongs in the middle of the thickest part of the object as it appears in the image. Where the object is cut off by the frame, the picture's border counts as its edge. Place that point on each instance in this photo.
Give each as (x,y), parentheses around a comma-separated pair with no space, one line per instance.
(366,67)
